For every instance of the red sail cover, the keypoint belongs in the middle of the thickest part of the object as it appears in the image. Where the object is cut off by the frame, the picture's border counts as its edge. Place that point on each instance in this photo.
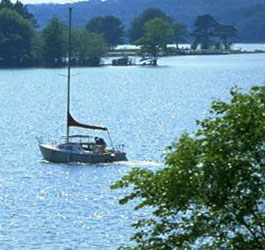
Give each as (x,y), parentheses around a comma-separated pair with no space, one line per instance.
(73,123)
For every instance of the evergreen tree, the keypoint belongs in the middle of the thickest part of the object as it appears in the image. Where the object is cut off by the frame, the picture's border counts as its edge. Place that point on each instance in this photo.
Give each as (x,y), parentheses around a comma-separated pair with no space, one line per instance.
(204,31)
(109,26)
(226,34)
(136,30)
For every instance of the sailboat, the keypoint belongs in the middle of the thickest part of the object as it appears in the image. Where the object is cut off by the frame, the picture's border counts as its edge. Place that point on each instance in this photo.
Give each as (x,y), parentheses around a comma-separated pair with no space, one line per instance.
(80,148)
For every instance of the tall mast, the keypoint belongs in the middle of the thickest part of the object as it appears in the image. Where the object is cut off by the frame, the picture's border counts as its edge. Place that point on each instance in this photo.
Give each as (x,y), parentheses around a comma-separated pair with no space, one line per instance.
(69,70)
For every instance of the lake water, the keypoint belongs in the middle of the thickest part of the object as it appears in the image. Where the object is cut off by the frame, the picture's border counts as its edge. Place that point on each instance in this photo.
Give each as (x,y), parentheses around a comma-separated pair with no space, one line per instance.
(59,206)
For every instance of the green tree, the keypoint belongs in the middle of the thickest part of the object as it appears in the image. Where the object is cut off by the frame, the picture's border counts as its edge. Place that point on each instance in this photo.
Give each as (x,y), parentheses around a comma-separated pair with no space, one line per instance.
(226,34)
(158,33)
(6,4)
(211,191)
(96,25)
(109,26)
(23,11)
(37,49)
(88,48)
(16,34)
(181,32)
(136,30)
(204,31)
(19,8)
(54,43)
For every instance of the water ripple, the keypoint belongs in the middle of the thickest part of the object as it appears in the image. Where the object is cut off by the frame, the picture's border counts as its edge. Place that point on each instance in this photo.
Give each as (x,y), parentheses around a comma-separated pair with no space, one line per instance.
(59,206)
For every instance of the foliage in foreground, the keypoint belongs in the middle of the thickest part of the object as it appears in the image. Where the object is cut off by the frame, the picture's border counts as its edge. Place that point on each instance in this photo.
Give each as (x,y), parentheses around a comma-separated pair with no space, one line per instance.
(211,191)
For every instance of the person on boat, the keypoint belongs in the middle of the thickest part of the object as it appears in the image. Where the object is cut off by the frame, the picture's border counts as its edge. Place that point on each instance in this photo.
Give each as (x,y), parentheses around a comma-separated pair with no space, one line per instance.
(101,143)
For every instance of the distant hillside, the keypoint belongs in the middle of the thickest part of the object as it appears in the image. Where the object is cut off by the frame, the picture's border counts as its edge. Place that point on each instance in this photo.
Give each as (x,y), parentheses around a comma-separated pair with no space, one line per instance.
(247,15)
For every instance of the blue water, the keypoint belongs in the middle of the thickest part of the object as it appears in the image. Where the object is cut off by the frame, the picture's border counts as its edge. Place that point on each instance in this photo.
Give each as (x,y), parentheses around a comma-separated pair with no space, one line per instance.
(58,206)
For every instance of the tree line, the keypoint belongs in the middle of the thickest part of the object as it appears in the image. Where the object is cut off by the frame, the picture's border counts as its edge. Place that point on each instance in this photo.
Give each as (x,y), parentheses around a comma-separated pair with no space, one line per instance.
(22,44)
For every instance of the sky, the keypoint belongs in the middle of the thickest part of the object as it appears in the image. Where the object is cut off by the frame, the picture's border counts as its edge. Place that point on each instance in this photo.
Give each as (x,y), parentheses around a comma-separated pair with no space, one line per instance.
(47,1)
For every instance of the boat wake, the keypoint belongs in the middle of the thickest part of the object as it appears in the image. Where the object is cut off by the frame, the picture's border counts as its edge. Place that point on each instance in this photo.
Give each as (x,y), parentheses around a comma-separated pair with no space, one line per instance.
(120,163)
(140,163)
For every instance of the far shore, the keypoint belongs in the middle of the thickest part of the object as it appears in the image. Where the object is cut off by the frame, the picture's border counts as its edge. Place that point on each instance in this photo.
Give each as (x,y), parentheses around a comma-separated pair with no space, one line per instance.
(132,54)
(135,52)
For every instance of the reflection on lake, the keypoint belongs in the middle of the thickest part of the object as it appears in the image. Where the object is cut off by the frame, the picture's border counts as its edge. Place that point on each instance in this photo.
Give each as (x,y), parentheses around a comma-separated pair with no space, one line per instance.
(58,206)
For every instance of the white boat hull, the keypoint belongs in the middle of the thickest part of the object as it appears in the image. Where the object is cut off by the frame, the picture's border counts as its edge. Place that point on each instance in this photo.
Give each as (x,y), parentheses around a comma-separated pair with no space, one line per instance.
(52,154)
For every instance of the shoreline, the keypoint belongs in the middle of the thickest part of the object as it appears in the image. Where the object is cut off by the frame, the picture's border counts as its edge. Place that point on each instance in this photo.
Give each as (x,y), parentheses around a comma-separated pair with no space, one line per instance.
(130,53)
(123,53)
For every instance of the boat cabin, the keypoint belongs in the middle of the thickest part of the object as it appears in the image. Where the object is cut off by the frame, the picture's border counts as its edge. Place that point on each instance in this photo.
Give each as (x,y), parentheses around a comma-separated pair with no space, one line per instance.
(72,147)
(79,143)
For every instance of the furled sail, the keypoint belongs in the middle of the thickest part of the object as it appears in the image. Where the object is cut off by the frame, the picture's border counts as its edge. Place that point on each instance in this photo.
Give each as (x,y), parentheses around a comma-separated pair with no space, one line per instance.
(73,123)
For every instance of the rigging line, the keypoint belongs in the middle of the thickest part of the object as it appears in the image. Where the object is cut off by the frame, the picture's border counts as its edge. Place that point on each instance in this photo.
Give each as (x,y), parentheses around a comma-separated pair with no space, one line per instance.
(110,139)
(69,69)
